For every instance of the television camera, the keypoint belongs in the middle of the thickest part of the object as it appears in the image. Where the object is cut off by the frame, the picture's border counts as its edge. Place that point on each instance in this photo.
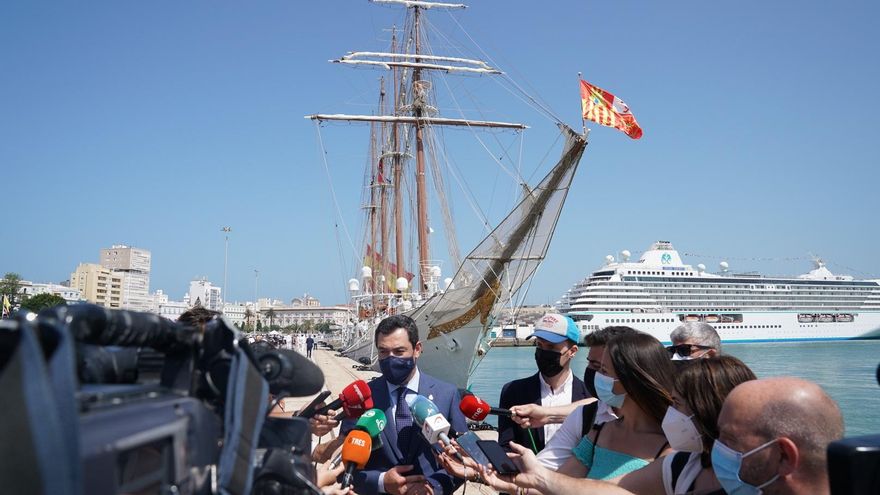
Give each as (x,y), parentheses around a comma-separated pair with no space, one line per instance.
(200,428)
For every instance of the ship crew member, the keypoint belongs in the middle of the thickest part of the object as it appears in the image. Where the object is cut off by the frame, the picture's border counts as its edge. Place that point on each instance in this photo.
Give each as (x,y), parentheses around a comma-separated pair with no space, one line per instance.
(556,337)
(406,462)
(692,340)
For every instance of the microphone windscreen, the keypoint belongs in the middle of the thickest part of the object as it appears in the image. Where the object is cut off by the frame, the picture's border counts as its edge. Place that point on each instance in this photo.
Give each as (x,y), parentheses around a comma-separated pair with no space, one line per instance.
(356,392)
(421,408)
(372,421)
(357,448)
(474,408)
(289,372)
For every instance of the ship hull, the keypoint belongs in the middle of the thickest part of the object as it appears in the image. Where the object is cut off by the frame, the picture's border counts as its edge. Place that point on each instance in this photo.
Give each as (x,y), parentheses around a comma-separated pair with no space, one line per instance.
(756,326)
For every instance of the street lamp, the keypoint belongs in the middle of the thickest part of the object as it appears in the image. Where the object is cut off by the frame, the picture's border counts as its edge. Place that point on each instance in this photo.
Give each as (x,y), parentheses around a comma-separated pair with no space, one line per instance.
(256,282)
(226,230)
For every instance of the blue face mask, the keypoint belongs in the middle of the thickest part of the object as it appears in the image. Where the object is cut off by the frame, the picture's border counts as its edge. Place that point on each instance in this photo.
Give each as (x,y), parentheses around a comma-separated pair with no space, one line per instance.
(396,369)
(727,462)
(604,390)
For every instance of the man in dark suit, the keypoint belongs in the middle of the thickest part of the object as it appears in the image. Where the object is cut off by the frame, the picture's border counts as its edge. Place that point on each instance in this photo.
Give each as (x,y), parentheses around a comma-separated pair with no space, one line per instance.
(553,385)
(406,462)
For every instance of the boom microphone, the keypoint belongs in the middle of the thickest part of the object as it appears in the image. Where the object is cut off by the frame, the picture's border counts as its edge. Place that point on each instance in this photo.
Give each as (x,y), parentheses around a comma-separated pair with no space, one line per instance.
(355,454)
(355,398)
(476,409)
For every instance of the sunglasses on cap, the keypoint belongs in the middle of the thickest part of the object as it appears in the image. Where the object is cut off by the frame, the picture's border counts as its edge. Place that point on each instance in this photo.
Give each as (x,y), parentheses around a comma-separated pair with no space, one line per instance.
(685,350)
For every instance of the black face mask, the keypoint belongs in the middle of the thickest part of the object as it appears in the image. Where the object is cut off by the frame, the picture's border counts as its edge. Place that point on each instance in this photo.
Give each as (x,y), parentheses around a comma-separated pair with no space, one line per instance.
(548,362)
(589,376)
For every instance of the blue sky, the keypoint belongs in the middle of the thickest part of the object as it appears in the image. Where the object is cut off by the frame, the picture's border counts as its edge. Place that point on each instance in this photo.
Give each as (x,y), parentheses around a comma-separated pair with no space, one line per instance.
(156,123)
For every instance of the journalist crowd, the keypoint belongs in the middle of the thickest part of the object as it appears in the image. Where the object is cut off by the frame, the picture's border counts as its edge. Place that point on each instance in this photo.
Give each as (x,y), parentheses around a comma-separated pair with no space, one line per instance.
(645,419)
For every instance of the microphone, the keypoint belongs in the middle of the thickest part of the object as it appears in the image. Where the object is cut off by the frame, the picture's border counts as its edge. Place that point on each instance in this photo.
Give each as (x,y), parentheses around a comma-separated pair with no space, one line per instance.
(427,416)
(476,409)
(289,372)
(355,398)
(355,454)
(371,422)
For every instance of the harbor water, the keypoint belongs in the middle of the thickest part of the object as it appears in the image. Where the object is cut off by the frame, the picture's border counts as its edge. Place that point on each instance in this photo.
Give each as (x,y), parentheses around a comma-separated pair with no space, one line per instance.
(845,369)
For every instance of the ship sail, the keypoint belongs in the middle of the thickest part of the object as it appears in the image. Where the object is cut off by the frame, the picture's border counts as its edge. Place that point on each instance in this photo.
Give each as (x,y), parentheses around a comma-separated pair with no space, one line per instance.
(399,277)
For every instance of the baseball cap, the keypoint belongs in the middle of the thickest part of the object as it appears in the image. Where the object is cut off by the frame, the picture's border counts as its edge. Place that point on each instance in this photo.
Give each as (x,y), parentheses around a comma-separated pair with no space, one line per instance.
(556,328)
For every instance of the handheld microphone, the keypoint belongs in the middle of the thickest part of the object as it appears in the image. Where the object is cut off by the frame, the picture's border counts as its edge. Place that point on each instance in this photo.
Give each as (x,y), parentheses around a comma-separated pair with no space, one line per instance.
(476,409)
(356,398)
(355,454)
(372,422)
(427,416)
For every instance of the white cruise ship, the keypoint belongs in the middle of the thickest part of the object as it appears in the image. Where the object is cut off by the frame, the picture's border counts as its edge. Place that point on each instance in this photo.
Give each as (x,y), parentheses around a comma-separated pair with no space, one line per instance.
(657,292)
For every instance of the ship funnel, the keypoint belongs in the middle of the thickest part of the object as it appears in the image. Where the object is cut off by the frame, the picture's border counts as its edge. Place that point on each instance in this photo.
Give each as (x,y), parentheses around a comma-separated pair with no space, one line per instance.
(354,285)
(402,284)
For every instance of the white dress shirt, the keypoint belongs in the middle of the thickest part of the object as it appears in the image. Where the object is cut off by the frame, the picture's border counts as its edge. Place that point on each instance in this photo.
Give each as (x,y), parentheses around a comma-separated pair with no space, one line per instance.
(413,386)
(559,397)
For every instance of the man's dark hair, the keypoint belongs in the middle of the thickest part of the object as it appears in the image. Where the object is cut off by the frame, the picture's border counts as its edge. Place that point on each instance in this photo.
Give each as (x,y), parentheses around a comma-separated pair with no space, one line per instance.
(392,323)
(197,317)
(601,337)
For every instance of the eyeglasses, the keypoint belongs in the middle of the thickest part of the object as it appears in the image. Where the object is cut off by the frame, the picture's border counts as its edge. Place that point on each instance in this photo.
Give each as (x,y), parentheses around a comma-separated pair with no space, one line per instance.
(685,350)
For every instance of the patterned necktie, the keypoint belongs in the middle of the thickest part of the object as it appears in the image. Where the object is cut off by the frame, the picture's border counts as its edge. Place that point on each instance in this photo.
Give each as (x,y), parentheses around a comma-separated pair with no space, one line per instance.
(403,420)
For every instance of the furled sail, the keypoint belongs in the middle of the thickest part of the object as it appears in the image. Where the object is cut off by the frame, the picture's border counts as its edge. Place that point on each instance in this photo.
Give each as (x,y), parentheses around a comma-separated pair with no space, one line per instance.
(498,267)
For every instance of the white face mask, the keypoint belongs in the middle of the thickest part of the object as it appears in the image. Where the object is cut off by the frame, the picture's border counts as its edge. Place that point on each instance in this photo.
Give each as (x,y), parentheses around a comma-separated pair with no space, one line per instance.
(681,431)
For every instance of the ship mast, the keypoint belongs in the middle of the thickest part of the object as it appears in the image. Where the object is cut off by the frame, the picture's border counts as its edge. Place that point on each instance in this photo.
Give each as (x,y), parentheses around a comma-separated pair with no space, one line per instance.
(420,119)
(419,95)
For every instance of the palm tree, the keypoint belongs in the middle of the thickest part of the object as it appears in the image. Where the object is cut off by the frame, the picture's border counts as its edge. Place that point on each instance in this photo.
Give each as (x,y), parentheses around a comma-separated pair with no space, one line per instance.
(271,315)
(248,314)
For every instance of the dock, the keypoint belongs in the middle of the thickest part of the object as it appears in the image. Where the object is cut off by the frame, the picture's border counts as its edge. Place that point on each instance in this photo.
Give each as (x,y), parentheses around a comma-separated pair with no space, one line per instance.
(339,372)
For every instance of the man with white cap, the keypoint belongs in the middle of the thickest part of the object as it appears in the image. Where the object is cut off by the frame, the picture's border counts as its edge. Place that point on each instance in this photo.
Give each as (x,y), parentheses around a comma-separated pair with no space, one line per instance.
(556,338)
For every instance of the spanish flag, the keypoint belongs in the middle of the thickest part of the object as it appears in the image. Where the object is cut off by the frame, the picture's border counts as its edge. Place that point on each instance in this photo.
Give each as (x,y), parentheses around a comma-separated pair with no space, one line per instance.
(604,108)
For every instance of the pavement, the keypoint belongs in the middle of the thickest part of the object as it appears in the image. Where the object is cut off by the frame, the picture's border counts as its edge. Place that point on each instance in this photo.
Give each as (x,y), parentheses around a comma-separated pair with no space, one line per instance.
(339,372)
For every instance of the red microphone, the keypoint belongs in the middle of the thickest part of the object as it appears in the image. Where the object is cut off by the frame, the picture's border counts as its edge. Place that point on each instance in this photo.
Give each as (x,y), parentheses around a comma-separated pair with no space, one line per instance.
(355,398)
(477,409)
(355,454)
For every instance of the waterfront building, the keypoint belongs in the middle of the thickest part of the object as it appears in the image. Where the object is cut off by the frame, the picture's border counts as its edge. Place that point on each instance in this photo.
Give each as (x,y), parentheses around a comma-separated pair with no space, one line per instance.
(134,266)
(205,293)
(98,285)
(235,312)
(305,311)
(30,289)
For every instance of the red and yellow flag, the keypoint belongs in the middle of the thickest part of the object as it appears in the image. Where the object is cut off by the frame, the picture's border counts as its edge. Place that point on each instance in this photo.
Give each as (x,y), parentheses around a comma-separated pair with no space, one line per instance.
(604,108)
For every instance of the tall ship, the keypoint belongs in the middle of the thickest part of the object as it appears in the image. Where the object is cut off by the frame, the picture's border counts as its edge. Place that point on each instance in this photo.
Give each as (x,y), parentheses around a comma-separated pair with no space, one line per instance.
(413,176)
(659,291)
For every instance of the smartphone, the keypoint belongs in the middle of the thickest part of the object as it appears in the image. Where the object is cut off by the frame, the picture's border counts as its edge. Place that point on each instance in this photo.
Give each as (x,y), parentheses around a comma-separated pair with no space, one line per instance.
(497,456)
(468,443)
(310,409)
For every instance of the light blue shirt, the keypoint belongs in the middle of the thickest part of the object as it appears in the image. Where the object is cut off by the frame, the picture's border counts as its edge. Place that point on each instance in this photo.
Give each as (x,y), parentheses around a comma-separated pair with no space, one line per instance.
(413,386)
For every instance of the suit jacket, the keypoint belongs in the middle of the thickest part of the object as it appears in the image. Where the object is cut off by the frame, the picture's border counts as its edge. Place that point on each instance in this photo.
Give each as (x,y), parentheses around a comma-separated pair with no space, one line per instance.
(418,452)
(528,391)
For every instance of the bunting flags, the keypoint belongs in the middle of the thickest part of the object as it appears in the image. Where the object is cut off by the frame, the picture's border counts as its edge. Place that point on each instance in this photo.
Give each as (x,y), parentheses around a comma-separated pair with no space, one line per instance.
(604,108)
